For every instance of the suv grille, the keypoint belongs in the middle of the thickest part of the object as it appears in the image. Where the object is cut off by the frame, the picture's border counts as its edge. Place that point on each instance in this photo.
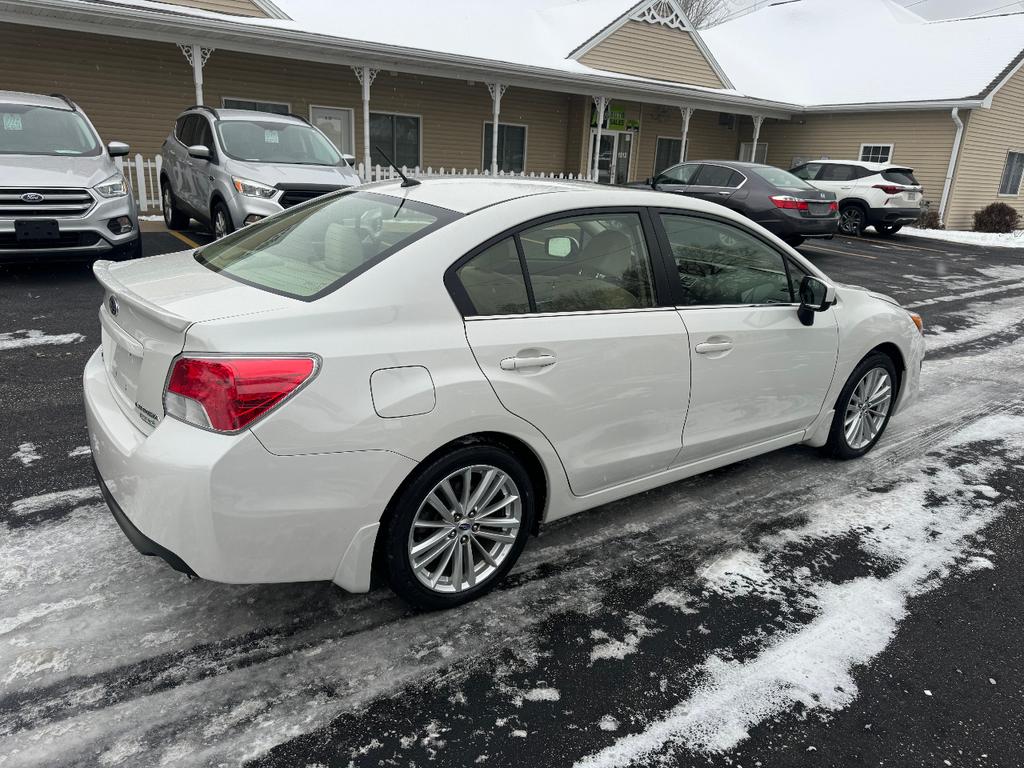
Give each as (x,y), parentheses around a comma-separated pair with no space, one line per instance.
(10,242)
(295,196)
(51,202)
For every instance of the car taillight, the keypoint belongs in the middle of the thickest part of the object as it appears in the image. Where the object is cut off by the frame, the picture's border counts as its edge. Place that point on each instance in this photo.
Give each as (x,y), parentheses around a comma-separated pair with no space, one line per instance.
(791,203)
(833,207)
(890,189)
(227,394)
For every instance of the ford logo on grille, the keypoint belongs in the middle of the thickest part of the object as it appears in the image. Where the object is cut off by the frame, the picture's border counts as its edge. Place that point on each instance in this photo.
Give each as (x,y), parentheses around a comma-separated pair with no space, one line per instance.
(114,306)
(31,197)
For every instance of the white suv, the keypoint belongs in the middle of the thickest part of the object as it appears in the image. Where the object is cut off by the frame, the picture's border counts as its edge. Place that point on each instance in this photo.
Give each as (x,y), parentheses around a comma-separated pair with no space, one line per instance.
(881,195)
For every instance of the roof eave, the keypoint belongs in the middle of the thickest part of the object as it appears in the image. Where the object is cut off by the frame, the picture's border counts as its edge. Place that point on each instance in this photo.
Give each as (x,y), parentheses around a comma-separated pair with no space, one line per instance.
(897,106)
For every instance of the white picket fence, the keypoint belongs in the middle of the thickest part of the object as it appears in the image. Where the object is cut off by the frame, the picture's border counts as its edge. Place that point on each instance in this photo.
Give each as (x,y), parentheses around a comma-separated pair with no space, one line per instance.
(143,175)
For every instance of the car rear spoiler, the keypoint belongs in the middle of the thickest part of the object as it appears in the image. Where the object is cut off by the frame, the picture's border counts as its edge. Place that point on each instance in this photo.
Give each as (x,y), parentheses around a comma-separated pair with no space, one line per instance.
(144,307)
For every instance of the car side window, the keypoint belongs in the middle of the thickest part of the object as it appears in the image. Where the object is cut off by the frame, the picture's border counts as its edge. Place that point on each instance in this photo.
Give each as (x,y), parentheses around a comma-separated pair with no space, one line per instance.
(203,133)
(720,264)
(838,173)
(187,133)
(807,171)
(494,281)
(179,128)
(718,176)
(598,261)
(680,174)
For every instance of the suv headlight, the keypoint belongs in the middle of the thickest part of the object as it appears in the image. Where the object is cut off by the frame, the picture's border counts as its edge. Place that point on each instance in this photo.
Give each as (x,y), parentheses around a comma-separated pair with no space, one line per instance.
(115,186)
(252,188)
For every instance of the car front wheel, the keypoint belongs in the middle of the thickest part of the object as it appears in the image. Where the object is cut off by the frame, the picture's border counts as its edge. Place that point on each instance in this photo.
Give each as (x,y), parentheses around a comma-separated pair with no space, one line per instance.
(173,218)
(458,527)
(864,408)
(221,221)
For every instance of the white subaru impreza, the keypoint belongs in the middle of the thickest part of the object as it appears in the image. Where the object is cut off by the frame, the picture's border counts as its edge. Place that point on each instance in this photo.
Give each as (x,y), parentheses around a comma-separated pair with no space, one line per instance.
(414,378)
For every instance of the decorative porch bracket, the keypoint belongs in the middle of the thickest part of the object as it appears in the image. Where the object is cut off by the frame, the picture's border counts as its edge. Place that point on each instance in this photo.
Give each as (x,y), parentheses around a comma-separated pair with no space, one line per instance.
(687,113)
(497,90)
(601,103)
(758,120)
(366,76)
(196,56)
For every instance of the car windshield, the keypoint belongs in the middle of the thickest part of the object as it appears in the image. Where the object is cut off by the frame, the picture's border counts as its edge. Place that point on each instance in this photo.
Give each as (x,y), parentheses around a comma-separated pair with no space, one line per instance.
(780,178)
(31,130)
(313,249)
(269,141)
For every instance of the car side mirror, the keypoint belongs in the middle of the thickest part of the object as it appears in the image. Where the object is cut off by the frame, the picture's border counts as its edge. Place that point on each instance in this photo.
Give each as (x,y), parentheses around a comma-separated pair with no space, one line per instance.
(117,149)
(649,181)
(350,159)
(562,247)
(815,296)
(199,152)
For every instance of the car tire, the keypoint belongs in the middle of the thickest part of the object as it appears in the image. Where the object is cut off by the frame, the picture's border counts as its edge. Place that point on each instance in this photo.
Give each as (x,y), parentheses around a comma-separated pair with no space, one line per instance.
(852,219)
(173,218)
(888,230)
(220,220)
(862,413)
(442,538)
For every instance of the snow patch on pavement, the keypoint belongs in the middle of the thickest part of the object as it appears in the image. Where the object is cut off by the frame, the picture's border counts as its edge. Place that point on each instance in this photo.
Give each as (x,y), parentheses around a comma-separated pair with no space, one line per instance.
(978,322)
(986,239)
(680,601)
(611,648)
(82,450)
(924,526)
(542,693)
(26,454)
(32,504)
(35,338)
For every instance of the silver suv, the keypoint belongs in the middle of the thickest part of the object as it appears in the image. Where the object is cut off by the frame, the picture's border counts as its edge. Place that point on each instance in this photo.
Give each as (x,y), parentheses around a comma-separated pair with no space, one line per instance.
(231,167)
(61,195)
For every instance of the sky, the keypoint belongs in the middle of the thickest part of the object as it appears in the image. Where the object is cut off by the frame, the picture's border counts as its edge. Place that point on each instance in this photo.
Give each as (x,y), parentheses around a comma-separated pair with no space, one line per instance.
(930,9)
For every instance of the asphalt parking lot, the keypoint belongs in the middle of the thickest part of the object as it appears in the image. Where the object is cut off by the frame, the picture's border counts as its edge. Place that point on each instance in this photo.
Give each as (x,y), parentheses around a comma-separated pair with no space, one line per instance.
(785,611)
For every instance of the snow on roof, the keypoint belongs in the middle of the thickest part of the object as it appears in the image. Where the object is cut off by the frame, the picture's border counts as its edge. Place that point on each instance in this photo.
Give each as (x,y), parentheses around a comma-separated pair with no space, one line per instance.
(820,52)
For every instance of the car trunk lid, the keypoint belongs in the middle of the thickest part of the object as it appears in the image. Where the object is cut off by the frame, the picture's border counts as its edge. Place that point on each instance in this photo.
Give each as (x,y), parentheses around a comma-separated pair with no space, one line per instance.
(148,307)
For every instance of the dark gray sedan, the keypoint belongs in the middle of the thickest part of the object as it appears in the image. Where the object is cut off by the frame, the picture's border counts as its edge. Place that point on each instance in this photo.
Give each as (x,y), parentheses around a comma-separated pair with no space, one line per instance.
(786,206)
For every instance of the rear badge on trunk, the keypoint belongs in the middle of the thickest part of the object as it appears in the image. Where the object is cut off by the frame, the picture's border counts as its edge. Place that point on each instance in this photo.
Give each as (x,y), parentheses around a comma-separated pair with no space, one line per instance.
(147,415)
(114,306)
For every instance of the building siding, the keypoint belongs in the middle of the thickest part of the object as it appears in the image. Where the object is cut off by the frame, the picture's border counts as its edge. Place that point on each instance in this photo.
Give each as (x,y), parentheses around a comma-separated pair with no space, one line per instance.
(921,140)
(231,7)
(651,50)
(707,139)
(988,136)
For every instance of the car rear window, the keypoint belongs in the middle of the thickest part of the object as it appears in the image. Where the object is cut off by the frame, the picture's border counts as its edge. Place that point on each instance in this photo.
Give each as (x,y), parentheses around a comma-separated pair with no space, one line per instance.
(313,249)
(780,178)
(899,176)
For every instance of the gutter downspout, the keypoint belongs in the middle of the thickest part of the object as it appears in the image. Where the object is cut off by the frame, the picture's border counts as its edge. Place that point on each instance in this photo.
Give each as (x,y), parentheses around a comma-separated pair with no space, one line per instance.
(953,157)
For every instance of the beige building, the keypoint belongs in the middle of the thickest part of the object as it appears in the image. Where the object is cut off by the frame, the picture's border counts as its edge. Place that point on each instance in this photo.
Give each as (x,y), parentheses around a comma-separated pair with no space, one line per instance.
(428,82)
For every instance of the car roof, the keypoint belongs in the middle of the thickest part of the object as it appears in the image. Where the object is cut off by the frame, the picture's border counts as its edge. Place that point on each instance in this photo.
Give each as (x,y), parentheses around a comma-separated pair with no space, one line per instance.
(468,194)
(861,163)
(251,114)
(34,100)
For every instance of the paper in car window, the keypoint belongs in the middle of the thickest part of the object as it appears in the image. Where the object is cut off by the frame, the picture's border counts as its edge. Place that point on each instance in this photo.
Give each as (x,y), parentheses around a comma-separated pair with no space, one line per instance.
(12,122)
(271,137)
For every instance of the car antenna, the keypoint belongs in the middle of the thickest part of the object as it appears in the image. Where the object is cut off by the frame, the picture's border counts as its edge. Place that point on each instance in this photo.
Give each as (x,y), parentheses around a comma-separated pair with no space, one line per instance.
(406,181)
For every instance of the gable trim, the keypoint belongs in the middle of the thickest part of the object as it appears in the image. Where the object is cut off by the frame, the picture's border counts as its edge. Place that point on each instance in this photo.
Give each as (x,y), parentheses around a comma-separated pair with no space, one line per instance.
(271,9)
(1002,79)
(653,12)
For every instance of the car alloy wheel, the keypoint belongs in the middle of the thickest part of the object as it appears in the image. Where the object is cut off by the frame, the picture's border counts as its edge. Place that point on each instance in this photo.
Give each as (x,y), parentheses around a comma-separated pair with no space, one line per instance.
(851,220)
(220,224)
(168,203)
(465,529)
(867,408)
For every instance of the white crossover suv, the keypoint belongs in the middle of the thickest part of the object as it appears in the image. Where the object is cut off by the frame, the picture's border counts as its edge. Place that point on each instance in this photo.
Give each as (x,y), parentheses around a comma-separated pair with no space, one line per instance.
(415,377)
(880,195)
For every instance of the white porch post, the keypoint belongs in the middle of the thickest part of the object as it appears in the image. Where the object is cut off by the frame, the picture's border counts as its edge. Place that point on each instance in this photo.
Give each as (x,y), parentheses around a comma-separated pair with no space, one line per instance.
(601,102)
(687,114)
(497,90)
(365,76)
(196,56)
(758,119)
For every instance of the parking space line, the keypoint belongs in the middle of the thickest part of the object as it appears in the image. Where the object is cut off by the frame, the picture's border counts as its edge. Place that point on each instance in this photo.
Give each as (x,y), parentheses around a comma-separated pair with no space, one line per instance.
(840,253)
(185,240)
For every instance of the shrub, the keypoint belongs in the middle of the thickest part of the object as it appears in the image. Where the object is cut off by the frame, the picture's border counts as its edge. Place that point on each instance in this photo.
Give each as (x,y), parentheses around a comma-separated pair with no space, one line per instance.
(997,217)
(929,219)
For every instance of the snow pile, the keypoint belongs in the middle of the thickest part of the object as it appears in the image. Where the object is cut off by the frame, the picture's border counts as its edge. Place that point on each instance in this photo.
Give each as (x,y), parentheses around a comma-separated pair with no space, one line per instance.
(924,526)
(987,239)
(35,338)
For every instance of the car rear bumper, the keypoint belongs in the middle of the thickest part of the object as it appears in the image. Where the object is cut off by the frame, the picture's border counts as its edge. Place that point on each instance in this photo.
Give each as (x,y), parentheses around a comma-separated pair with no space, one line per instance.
(783,225)
(893,215)
(226,509)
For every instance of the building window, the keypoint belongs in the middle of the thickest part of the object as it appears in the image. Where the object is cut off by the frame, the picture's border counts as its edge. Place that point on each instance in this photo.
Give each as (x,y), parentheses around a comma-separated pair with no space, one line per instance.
(1012,173)
(337,125)
(667,153)
(760,157)
(511,147)
(274,107)
(875,153)
(398,136)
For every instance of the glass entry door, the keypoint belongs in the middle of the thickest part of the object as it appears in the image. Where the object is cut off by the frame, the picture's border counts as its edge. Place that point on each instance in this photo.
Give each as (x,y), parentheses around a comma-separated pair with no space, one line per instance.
(614,156)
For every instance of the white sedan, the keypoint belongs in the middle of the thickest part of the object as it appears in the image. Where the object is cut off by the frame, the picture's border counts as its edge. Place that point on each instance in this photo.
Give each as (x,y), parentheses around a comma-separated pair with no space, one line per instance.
(413,379)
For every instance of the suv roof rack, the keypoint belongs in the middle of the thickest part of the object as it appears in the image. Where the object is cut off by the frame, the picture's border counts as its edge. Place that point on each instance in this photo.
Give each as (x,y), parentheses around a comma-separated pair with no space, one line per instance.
(65,99)
(211,110)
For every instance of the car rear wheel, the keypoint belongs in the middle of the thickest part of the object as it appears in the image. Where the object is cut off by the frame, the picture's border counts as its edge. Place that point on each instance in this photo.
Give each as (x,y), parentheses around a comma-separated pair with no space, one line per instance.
(887,230)
(863,409)
(173,218)
(221,220)
(852,220)
(458,527)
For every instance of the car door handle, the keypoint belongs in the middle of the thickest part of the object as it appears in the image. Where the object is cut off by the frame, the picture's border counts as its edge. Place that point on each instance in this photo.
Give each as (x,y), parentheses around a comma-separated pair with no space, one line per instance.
(710,347)
(519,363)
(724,192)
